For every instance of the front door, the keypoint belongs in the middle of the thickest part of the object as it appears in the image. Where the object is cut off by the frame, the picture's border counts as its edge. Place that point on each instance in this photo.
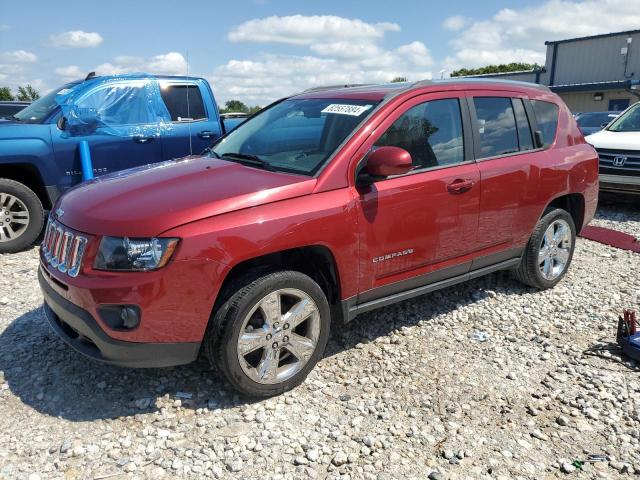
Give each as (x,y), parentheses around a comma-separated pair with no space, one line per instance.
(420,227)
(114,145)
(192,129)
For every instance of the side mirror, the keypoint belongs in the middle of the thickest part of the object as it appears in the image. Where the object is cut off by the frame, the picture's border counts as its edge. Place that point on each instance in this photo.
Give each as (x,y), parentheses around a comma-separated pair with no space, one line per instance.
(384,162)
(62,123)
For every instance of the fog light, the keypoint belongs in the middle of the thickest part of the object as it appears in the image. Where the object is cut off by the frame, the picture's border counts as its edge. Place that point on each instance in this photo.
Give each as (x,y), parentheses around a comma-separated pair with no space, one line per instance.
(120,317)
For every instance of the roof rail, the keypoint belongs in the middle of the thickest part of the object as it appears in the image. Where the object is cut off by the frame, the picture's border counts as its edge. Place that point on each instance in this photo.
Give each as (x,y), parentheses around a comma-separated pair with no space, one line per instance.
(335,87)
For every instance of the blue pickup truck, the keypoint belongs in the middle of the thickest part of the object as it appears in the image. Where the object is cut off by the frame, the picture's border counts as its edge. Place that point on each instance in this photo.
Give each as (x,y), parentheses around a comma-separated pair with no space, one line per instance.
(39,154)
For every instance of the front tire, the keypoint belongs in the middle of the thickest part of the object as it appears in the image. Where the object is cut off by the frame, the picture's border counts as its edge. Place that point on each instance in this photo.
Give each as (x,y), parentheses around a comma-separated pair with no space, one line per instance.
(21,216)
(549,252)
(270,333)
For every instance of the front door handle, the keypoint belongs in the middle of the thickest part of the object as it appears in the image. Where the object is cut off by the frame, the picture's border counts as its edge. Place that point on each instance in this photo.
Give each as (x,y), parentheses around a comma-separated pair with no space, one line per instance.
(140,139)
(206,134)
(459,186)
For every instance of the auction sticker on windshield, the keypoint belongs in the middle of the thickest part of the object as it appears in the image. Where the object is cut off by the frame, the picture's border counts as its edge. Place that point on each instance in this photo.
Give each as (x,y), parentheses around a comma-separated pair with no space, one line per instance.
(355,110)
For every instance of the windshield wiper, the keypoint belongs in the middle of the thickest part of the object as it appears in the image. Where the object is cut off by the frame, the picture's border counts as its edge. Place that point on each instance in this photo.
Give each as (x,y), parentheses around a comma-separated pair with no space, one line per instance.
(246,159)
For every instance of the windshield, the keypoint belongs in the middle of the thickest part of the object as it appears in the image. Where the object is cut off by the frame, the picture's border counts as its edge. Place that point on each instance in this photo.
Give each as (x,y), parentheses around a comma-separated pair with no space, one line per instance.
(595,119)
(629,121)
(295,135)
(41,108)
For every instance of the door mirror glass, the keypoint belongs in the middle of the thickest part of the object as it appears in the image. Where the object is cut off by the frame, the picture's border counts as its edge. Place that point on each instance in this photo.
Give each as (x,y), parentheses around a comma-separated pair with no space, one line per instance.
(387,161)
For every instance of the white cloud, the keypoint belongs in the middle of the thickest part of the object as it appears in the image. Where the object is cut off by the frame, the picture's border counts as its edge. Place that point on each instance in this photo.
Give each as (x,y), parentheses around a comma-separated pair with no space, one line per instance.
(305,30)
(334,50)
(455,23)
(172,63)
(18,56)
(70,72)
(76,39)
(518,35)
(274,76)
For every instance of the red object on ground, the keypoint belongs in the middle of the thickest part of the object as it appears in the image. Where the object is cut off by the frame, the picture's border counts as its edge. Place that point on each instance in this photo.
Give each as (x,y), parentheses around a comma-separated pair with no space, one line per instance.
(611,237)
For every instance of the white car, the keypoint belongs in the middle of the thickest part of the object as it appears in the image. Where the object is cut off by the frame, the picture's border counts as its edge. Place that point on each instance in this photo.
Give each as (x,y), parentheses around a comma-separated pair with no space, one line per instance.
(618,146)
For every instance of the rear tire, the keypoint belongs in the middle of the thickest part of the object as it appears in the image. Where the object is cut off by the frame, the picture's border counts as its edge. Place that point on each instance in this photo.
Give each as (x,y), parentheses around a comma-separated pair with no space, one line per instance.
(549,251)
(270,333)
(21,216)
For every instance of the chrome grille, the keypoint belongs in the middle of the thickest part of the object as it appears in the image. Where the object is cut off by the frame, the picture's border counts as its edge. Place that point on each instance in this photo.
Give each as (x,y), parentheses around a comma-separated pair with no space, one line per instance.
(62,248)
(619,162)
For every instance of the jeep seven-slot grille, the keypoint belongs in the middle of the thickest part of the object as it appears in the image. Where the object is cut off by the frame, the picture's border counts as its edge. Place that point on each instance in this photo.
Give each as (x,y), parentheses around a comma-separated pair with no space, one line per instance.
(62,248)
(619,162)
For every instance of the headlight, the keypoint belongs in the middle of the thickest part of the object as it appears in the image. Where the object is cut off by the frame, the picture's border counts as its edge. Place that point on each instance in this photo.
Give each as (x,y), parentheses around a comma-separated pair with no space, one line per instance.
(134,254)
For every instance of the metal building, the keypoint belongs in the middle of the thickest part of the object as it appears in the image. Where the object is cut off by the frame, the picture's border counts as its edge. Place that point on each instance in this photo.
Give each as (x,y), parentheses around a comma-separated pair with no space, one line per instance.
(596,73)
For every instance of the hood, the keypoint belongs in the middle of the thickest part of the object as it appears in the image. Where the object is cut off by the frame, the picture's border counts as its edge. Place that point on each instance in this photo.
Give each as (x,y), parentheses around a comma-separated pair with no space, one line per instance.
(146,201)
(615,140)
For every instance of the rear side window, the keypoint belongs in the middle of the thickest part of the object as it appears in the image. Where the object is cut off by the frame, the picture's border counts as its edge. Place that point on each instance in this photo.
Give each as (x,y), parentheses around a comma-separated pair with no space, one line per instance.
(431,132)
(547,119)
(524,129)
(497,126)
(184,102)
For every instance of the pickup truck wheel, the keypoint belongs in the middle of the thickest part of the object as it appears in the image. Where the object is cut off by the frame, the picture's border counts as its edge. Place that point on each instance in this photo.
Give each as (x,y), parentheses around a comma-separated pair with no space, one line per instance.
(270,333)
(549,252)
(21,216)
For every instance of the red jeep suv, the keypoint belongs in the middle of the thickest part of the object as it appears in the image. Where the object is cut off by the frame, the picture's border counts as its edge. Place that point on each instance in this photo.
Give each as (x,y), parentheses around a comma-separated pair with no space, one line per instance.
(324,205)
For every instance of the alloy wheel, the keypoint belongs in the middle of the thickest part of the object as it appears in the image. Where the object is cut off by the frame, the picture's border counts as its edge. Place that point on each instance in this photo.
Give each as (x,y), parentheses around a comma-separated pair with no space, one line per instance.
(278,336)
(555,249)
(14,217)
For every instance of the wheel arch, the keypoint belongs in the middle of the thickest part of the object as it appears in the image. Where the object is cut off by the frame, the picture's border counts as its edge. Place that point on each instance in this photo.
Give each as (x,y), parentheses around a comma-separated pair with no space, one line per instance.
(315,261)
(28,175)
(574,204)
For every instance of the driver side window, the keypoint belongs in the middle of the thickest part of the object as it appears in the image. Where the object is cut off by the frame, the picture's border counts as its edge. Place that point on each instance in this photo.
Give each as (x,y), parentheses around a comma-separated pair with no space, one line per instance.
(118,104)
(431,132)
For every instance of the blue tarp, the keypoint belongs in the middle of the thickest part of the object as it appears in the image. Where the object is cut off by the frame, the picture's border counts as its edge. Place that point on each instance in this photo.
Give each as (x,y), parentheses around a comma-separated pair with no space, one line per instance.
(109,107)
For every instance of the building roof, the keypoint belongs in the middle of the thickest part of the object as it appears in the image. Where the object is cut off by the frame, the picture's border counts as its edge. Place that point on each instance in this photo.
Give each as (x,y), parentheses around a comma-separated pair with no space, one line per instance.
(592,37)
(596,86)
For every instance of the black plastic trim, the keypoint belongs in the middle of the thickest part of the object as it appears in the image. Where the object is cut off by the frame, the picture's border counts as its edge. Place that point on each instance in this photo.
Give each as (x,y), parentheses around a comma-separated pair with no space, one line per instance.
(352,308)
(89,339)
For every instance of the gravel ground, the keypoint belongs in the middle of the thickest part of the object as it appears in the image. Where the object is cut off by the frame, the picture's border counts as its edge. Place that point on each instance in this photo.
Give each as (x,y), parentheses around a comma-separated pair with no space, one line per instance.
(483,380)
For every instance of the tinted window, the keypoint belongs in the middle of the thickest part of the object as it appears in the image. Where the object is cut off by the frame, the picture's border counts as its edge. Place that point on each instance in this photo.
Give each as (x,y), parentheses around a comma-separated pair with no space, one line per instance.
(524,130)
(184,102)
(595,119)
(431,132)
(8,110)
(497,126)
(547,119)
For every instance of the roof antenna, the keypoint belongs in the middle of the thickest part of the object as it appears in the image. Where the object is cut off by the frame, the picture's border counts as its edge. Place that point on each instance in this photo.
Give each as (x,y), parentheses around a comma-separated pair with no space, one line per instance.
(90,76)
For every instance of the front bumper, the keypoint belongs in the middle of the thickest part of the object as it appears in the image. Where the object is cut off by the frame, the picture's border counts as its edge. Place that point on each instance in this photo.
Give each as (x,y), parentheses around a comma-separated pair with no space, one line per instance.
(620,183)
(80,330)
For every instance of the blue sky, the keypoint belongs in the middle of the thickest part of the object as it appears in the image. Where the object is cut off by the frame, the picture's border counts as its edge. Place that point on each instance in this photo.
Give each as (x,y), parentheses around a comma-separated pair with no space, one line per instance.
(259,50)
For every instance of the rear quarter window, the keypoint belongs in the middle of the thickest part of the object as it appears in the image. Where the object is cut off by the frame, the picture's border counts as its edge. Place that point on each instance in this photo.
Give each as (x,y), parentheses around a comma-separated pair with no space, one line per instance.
(547,119)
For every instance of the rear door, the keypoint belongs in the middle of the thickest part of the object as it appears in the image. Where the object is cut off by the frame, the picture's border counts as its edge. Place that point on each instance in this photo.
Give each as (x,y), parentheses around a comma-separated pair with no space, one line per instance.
(194,124)
(121,106)
(420,227)
(507,157)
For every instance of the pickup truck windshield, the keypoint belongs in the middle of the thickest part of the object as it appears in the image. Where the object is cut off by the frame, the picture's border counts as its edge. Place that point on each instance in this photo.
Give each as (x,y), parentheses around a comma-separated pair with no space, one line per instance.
(295,135)
(39,110)
(628,121)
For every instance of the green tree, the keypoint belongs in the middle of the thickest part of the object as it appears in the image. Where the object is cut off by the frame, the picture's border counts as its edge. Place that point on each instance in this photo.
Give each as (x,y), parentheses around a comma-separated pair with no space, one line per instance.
(235,106)
(28,93)
(5,94)
(502,68)
(399,80)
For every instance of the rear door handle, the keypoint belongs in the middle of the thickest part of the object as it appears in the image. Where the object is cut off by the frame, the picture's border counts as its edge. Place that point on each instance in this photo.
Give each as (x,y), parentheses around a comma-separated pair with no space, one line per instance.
(206,134)
(459,186)
(142,139)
